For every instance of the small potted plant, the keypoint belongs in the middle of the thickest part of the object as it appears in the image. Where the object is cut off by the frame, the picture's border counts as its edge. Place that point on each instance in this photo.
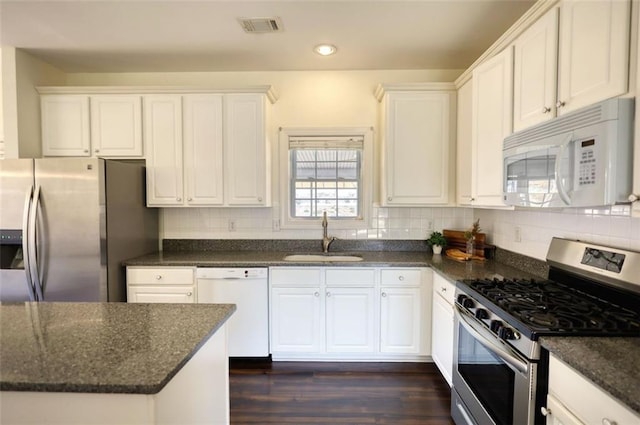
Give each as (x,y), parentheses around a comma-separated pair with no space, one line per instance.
(437,241)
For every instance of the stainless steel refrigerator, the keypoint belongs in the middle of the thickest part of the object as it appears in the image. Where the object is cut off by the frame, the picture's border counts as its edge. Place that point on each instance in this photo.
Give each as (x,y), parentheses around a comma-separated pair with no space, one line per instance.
(67,224)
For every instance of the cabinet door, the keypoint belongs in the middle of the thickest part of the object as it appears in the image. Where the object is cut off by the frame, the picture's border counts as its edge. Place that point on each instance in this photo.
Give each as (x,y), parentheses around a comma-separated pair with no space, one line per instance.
(65,125)
(203,149)
(161,294)
(163,146)
(594,52)
(246,179)
(535,72)
(491,123)
(296,320)
(400,320)
(350,320)
(442,336)
(463,151)
(116,126)
(417,140)
(558,414)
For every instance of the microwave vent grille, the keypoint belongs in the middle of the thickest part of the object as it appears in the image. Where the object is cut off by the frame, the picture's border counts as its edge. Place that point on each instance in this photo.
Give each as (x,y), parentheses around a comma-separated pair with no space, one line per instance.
(603,111)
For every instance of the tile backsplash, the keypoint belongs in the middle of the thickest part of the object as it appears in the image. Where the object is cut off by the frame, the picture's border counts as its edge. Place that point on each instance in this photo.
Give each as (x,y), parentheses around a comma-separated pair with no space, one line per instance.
(534,228)
(258,223)
(612,226)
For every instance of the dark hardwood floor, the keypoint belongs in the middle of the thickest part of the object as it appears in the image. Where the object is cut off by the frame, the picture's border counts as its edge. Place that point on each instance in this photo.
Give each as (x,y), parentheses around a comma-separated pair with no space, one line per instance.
(338,393)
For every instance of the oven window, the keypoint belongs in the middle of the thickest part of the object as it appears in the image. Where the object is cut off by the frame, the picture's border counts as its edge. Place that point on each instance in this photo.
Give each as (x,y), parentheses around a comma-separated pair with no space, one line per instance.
(490,379)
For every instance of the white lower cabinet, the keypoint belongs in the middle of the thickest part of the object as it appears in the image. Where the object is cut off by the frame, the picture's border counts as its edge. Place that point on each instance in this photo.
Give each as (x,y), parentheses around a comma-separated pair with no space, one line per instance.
(575,400)
(341,313)
(161,285)
(442,325)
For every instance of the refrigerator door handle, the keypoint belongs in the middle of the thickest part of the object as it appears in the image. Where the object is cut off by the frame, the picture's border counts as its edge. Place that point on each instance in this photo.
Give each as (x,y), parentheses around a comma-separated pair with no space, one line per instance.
(33,254)
(25,243)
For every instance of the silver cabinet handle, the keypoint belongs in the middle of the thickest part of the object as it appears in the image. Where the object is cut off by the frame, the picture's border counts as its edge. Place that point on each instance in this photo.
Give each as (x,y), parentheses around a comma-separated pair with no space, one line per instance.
(189,294)
(545,411)
(86,151)
(316,294)
(189,199)
(443,289)
(606,421)
(546,109)
(389,198)
(560,104)
(97,150)
(259,199)
(179,199)
(400,278)
(384,294)
(158,277)
(328,294)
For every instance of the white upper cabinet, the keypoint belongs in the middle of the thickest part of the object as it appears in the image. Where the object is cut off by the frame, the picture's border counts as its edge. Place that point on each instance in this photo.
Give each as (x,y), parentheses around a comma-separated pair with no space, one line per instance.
(463,147)
(563,64)
(491,122)
(535,72)
(246,167)
(107,125)
(163,146)
(65,125)
(593,52)
(207,149)
(116,125)
(418,134)
(203,140)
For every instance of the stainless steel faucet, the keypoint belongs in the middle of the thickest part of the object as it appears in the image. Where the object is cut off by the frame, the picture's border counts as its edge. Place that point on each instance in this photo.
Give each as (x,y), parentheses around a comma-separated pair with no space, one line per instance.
(326,240)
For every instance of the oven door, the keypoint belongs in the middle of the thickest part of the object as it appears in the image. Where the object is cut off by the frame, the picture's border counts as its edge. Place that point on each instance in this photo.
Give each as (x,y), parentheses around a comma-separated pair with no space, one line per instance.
(492,383)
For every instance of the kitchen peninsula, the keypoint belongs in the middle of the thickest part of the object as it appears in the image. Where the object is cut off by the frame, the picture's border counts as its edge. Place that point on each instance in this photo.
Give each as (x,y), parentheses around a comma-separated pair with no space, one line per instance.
(99,363)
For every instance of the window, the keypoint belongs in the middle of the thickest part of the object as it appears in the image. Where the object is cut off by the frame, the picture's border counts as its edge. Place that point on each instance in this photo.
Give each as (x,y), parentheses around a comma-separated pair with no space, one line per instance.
(325,171)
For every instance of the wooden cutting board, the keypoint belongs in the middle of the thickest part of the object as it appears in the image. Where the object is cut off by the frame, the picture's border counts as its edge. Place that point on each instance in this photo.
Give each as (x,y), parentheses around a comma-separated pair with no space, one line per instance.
(456,239)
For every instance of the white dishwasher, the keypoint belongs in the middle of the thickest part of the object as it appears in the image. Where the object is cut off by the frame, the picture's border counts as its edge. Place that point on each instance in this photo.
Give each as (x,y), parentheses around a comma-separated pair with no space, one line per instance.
(248,289)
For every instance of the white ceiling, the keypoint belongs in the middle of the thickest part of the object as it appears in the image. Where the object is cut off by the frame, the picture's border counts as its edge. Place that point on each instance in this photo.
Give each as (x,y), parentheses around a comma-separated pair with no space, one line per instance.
(149,35)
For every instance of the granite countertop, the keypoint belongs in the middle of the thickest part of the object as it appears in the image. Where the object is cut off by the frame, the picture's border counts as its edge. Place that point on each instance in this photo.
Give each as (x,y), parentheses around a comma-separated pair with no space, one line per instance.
(101,347)
(611,363)
(450,268)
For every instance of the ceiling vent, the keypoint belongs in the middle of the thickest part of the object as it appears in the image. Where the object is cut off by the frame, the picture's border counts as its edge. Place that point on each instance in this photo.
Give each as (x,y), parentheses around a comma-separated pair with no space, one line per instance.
(260,25)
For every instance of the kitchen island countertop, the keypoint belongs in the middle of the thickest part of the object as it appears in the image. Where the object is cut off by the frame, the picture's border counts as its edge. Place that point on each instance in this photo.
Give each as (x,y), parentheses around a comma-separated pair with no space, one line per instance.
(101,347)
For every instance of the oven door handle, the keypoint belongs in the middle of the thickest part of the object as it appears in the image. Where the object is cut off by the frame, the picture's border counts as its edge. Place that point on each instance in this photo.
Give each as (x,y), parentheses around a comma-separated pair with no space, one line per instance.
(488,340)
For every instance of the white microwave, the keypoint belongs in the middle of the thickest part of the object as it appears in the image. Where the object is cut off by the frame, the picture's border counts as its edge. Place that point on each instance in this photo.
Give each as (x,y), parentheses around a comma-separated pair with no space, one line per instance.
(581,159)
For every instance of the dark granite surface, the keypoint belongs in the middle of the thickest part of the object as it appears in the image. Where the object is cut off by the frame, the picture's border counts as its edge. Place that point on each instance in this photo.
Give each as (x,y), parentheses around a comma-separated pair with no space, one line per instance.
(611,363)
(451,268)
(101,347)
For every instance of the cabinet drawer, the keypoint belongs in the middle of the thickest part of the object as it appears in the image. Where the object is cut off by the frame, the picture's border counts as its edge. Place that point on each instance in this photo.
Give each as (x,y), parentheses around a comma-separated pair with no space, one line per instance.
(350,277)
(401,277)
(298,276)
(162,275)
(590,404)
(444,288)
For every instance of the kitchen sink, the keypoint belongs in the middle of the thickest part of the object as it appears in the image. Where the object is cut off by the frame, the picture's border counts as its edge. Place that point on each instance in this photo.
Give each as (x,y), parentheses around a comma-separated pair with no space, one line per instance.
(321,257)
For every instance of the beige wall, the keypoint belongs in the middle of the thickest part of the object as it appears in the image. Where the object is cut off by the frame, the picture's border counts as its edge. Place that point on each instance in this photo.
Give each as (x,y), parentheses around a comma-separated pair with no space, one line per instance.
(9,102)
(30,73)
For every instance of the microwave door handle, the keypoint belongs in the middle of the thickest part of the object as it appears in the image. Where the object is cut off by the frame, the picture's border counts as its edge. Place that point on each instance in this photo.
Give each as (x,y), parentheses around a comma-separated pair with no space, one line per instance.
(25,243)
(487,339)
(558,168)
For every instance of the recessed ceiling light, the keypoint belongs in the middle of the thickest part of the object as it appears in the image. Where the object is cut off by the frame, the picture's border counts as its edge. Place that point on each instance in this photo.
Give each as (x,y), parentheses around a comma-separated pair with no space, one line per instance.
(325,49)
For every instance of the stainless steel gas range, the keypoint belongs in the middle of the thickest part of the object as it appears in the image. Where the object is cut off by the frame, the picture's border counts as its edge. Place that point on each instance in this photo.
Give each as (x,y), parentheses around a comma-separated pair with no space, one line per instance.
(500,371)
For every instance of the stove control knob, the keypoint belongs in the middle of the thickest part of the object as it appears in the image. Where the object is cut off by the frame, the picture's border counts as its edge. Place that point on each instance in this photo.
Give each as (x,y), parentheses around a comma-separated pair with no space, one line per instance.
(506,333)
(468,303)
(495,325)
(481,314)
(461,298)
